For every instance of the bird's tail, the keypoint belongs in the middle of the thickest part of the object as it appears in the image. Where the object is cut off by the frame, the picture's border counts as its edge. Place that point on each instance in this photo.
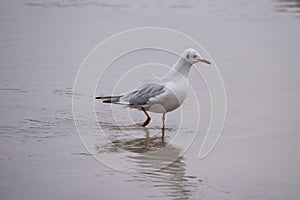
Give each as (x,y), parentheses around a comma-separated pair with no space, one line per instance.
(110,99)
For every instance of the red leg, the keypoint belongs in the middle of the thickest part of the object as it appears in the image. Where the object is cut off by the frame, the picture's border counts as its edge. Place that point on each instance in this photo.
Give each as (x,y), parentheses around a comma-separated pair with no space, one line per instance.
(148,117)
(163,120)
(163,128)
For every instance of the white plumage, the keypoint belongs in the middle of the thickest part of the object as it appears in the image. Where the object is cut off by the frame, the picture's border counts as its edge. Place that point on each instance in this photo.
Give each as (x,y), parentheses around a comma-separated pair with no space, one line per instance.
(165,95)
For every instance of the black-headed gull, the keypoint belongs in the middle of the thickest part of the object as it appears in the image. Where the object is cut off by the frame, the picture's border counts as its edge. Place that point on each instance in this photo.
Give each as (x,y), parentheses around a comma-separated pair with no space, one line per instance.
(162,96)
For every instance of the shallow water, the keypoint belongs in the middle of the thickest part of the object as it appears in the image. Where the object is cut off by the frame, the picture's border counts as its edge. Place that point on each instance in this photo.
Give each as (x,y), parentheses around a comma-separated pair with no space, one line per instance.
(256,47)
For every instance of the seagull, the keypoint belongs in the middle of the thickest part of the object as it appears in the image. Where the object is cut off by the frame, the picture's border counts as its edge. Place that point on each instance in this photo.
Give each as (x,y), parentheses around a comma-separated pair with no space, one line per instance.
(164,95)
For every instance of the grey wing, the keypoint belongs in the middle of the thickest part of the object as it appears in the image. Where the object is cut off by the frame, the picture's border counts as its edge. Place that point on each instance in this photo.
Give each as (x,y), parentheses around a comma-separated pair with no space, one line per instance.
(142,94)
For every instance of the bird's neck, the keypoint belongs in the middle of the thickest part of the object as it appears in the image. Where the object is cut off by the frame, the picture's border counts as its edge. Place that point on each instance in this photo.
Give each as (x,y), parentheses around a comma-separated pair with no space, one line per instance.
(180,69)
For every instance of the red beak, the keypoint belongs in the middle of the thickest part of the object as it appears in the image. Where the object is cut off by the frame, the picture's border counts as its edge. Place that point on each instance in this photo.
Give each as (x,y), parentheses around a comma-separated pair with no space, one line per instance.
(205,61)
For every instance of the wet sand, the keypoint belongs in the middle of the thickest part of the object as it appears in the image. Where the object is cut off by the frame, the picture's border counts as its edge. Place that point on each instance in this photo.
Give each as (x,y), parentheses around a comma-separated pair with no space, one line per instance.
(256,47)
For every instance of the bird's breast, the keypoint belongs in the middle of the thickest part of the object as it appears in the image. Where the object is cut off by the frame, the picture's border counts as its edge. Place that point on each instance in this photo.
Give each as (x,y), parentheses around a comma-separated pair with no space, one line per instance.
(179,89)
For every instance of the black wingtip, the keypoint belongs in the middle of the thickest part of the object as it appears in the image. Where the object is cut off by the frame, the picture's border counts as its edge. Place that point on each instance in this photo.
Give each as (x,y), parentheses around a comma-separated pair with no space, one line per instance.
(107,101)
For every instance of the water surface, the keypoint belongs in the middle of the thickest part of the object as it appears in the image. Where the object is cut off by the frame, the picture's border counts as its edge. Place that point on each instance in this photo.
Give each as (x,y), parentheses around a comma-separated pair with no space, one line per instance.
(256,46)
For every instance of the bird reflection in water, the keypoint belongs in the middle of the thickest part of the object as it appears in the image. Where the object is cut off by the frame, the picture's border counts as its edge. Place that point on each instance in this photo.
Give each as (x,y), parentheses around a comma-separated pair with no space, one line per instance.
(158,163)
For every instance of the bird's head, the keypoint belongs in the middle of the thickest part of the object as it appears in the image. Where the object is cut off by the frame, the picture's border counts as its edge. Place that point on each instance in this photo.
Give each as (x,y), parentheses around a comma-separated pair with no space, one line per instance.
(193,56)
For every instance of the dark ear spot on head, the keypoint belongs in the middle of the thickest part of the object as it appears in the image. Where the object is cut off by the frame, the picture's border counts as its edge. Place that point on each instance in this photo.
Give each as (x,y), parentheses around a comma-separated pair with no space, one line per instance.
(188,56)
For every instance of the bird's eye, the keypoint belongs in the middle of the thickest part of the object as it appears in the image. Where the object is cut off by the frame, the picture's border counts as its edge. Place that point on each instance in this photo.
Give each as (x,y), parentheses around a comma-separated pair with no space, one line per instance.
(195,56)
